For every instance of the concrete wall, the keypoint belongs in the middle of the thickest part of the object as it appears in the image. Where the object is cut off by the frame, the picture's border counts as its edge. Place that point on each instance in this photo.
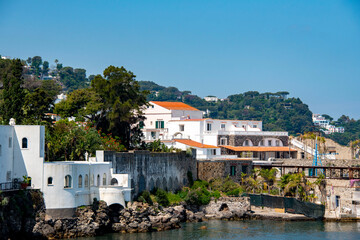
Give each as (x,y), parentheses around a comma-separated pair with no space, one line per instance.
(149,170)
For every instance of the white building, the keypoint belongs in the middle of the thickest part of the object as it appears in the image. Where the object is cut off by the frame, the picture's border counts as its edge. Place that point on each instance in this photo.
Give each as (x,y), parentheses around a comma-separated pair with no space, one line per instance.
(158,114)
(66,185)
(211,99)
(173,125)
(322,122)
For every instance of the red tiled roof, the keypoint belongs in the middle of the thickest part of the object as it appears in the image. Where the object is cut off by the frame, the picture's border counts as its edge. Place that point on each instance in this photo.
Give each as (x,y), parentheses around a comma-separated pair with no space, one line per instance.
(175,106)
(193,143)
(259,149)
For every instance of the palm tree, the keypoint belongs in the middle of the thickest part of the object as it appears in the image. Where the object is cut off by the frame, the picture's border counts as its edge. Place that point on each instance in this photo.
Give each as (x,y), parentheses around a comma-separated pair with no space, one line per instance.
(269,176)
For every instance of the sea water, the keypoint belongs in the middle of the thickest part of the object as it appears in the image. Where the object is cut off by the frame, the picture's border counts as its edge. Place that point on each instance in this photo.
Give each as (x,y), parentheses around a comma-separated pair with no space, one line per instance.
(249,229)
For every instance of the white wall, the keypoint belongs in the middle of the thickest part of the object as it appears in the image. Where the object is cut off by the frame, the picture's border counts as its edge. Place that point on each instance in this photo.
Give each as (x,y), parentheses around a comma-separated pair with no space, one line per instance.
(6,153)
(56,196)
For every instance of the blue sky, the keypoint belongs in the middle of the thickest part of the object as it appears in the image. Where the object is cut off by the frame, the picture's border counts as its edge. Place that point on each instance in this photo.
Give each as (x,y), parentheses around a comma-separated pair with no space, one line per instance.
(309,48)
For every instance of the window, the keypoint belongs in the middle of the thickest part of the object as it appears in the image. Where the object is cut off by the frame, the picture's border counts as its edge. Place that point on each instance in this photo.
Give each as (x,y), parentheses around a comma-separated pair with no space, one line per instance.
(92,180)
(181,128)
(86,180)
(223,141)
(141,125)
(67,181)
(153,135)
(24,143)
(50,181)
(214,151)
(246,143)
(10,142)
(159,124)
(80,181)
(114,182)
(222,126)
(337,201)
(261,143)
(232,170)
(277,143)
(104,179)
(208,127)
(98,180)
(254,126)
(269,142)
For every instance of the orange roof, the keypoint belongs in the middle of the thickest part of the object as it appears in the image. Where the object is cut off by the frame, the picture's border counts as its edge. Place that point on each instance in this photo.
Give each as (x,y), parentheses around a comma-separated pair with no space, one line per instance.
(259,149)
(193,143)
(175,105)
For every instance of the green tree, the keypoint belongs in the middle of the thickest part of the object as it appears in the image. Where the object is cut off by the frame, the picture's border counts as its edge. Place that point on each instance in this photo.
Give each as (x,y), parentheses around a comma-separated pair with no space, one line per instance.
(36,105)
(36,62)
(45,68)
(13,93)
(122,102)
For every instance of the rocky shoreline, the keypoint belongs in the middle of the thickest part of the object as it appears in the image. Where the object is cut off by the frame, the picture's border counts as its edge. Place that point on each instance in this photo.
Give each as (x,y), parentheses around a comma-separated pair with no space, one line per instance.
(137,217)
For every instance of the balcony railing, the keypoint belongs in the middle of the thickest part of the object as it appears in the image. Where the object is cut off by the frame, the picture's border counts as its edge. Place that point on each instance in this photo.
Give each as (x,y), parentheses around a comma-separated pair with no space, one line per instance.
(251,133)
(7,186)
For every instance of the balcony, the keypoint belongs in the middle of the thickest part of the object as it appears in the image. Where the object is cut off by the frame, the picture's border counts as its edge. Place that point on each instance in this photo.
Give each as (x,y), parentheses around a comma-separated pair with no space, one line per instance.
(252,133)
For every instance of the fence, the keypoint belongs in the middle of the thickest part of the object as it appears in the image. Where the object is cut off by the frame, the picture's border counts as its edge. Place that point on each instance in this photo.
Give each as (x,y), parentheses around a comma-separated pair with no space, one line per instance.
(6,186)
(291,205)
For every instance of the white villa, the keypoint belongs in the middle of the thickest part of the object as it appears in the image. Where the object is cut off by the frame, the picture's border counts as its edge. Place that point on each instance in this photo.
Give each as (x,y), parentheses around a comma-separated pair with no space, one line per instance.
(66,185)
(173,122)
(322,122)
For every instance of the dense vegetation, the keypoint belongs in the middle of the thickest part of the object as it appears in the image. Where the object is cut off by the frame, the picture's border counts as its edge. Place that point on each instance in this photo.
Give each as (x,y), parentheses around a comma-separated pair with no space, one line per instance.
(106,112)
(200,192)
(352,130)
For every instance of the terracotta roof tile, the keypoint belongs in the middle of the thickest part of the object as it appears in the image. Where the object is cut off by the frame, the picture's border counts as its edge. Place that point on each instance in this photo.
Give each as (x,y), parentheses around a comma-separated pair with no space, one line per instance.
(194,144)
(175,105)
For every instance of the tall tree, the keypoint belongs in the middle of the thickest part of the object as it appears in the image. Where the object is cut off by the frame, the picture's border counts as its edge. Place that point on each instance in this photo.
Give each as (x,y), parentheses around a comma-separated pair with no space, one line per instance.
(13,93)
(123,102)
(45,68)
(36,62)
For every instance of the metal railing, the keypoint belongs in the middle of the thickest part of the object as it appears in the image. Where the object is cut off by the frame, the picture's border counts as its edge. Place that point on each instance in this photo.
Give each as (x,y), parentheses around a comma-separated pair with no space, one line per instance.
(7,186)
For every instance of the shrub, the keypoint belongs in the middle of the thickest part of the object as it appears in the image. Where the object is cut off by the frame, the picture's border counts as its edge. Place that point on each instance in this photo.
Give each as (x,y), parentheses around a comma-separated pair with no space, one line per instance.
(198,197)
(145,198)
(200,184)
(235,192)
(161,198)
(174,198)
(215,194)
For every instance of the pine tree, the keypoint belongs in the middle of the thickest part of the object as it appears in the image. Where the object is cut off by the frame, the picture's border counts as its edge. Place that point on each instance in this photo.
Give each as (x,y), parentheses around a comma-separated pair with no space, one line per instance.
(13,92)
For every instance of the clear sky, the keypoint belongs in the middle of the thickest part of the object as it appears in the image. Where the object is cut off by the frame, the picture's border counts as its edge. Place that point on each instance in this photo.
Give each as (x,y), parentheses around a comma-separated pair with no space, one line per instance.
(310,48)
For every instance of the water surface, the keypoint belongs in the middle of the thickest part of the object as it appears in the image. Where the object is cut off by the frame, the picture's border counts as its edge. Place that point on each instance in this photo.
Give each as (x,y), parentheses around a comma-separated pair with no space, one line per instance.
(250,229)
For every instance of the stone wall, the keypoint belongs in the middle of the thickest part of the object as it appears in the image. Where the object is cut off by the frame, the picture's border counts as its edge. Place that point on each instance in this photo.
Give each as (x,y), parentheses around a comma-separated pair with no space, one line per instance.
(208,170)
(149,169)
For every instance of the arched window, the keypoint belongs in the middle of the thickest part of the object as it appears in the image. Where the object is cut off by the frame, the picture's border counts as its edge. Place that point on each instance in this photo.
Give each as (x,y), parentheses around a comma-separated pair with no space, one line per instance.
(104,179)
(114,182)
(80,181)
(50,181)
(67,181)
(86,180)
(247,142)
(24,143)
(98,180)
(92,180)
